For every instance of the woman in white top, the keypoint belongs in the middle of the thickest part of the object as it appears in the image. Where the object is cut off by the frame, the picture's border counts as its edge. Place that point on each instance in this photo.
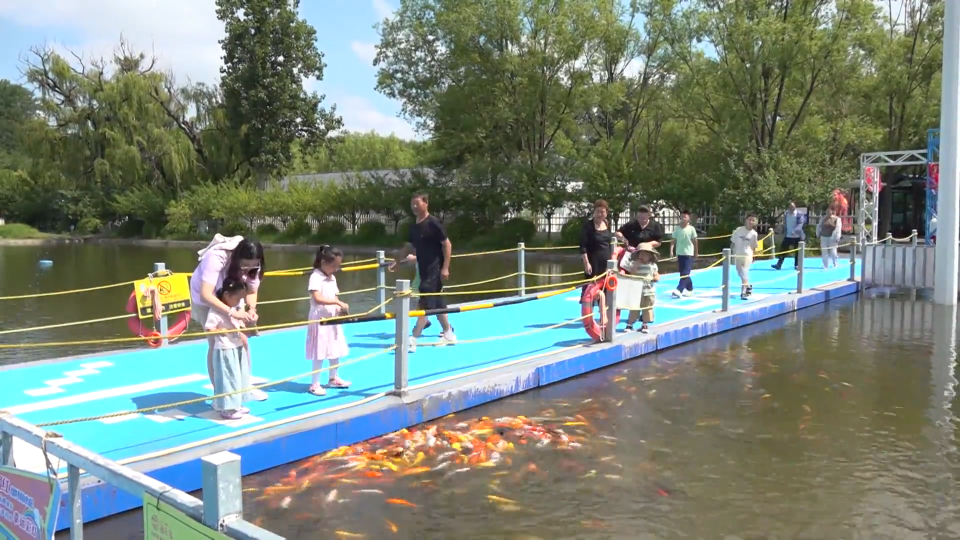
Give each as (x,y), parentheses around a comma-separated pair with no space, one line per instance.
(829,230)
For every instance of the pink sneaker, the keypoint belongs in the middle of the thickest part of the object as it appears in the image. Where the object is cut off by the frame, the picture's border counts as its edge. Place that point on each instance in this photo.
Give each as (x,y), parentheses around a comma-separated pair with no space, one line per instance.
(231,415)
(337,382)
(317,390)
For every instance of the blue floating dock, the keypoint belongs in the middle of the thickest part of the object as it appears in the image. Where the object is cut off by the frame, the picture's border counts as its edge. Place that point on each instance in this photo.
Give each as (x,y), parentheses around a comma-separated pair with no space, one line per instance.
(292,424)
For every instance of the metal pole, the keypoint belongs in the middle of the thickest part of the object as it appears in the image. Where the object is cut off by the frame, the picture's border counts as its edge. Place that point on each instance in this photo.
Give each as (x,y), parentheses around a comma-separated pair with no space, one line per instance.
(725,294)
(6,448)
(76,504)
(863,264)
(853,262)
(801,252)
(889,239)
(521,269)
(913,256)
(946,263)
(159,267)
(401,310)
(222,492)
(610,330)
(382,281)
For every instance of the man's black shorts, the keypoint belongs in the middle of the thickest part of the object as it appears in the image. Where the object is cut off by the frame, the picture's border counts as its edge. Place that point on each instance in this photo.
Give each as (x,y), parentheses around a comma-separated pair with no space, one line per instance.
(431,283)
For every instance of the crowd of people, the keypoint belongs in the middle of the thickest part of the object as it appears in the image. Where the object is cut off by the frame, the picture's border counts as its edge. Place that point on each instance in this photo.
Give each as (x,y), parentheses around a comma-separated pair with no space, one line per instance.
(225,284)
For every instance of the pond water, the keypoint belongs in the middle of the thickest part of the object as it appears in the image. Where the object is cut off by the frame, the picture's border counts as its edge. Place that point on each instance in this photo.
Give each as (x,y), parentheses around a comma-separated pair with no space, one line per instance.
(835,422)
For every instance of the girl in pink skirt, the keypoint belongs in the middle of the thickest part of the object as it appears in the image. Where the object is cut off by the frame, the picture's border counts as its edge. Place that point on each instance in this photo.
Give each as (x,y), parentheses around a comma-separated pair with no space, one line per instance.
(326,341)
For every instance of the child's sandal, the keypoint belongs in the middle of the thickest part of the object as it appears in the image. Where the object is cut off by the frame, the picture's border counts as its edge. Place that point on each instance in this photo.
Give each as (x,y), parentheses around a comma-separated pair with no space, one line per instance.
(317,390)
(337,382)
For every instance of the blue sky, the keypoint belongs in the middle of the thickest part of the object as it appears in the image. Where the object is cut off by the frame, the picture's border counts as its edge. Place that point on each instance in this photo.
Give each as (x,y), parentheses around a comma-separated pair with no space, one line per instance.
(184,34)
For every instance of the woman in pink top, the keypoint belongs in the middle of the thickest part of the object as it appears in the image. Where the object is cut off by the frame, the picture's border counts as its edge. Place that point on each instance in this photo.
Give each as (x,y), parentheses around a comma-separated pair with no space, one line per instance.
(241,259)
(326,341)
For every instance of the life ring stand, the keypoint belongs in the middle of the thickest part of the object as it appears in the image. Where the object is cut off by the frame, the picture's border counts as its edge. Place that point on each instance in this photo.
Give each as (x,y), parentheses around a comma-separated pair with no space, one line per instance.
(137,328)
(594,327)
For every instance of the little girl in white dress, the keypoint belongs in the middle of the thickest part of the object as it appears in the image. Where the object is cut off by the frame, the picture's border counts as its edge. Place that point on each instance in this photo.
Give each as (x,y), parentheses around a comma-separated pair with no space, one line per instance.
(326,341)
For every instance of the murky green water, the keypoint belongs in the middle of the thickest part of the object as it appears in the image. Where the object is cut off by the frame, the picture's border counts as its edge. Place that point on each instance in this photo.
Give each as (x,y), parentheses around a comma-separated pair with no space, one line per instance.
(837,424)
(78,266)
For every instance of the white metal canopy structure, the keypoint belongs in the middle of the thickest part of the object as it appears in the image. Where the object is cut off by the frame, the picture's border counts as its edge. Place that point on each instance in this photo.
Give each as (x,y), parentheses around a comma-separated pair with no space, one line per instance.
(868,214)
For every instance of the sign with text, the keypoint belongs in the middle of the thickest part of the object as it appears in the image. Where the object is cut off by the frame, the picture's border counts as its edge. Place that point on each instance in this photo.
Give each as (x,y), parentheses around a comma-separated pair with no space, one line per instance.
(28,505)
(164,522)
(173,291)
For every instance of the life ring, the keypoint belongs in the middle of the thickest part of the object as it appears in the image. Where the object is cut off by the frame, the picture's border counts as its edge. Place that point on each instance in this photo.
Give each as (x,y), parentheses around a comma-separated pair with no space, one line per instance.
(137,328)
(590,324)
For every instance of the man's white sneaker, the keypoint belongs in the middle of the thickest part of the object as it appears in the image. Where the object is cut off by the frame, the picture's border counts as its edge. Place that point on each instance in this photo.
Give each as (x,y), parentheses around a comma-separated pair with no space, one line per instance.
(412,348)
(448,337)
(687,293)
(675,293)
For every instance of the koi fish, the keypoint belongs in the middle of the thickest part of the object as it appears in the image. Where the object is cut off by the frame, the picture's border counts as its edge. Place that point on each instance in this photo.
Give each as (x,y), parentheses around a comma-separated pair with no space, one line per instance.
(415,470)
(391,525)
(345,534)
(401,502)
(502,500)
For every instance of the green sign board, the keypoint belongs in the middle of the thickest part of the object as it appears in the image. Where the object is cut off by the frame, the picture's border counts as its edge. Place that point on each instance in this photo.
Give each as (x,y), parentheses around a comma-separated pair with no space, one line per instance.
(164,522)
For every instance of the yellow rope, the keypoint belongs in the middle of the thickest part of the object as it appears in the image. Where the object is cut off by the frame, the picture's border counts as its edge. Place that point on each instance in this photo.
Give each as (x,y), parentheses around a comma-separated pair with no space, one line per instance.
(64,325)
(215,396)
(568,274)
(71,291)
(508,336)
(514,289)
(479,253)
(190,334)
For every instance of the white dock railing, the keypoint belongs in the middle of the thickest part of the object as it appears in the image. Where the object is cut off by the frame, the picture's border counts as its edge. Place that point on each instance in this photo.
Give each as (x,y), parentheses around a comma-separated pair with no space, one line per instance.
(221,508)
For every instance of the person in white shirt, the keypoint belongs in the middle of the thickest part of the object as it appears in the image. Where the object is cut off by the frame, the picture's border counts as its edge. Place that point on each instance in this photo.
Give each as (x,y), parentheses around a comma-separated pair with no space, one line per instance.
(829,230)
(745,243)
(792,235)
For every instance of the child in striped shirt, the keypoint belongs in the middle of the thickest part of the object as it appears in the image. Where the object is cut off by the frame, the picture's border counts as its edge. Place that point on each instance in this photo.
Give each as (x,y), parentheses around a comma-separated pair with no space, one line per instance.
(643,264)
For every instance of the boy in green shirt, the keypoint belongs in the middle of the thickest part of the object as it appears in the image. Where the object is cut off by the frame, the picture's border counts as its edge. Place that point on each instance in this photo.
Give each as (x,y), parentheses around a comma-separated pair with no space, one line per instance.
(686,248)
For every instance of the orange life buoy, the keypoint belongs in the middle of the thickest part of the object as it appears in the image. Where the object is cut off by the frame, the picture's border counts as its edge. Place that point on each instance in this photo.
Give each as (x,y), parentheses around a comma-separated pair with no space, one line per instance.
(590,324)
(137,328)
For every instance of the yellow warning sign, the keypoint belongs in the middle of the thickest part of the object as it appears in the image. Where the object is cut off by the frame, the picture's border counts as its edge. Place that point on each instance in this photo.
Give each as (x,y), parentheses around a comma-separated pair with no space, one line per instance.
(173,290)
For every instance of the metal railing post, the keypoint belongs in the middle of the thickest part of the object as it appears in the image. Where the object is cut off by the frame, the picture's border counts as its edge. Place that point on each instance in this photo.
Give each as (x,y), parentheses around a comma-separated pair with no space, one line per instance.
(521,269)
(610,330)
(913,256)
(801,252)
(401,311)
(853,262)
(76,502)
(222,492)
(725,293)
(160,267)
(382,281)
(6,448)
(863,264)
(889,239)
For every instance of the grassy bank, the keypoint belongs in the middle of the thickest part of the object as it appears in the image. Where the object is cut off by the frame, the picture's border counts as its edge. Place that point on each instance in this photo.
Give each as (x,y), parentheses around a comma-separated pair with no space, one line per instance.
(19,231)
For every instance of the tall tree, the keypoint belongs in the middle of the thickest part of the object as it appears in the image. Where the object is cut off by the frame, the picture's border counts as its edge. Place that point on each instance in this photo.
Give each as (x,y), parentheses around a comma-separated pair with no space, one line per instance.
(269,52)
(17,108)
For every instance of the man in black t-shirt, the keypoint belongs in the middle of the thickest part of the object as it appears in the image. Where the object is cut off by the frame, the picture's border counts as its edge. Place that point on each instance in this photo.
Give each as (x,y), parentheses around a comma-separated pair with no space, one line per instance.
(643,230)
(429,241)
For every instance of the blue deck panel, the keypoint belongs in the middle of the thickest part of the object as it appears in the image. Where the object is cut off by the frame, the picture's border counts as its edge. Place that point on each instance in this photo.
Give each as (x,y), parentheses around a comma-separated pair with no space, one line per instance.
(129,380)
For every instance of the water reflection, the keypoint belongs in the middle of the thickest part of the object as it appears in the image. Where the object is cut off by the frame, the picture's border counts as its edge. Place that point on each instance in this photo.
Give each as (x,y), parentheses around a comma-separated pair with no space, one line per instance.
(834,422)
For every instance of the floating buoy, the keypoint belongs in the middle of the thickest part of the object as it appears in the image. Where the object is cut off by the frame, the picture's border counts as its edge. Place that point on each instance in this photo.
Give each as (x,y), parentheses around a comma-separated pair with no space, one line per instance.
(46,262)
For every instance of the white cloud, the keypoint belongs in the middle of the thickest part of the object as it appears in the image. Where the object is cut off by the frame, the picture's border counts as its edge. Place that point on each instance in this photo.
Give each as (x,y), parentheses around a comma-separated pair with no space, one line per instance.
(183,34)
(365,51)
(361,116)
(383,9)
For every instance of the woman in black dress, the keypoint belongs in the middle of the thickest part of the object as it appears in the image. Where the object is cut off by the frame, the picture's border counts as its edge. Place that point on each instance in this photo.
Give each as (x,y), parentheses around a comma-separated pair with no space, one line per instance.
(596,242)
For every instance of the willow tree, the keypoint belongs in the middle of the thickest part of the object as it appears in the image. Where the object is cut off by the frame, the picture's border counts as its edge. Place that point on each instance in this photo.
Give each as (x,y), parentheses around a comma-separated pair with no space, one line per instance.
(104,136)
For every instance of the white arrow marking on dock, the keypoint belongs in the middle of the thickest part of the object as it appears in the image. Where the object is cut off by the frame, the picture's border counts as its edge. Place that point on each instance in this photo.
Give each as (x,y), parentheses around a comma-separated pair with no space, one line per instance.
(104,394)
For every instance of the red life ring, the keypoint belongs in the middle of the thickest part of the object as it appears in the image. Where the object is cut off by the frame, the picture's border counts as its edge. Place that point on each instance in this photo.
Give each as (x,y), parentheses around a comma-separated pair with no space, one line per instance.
(137,328)
(590,324)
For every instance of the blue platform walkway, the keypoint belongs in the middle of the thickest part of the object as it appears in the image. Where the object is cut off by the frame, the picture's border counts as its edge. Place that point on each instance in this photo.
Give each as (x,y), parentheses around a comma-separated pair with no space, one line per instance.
(131,380)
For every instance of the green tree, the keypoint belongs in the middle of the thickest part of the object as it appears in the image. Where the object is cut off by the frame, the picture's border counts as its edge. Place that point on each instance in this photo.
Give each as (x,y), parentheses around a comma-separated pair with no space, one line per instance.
(17,108)
(268,52)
